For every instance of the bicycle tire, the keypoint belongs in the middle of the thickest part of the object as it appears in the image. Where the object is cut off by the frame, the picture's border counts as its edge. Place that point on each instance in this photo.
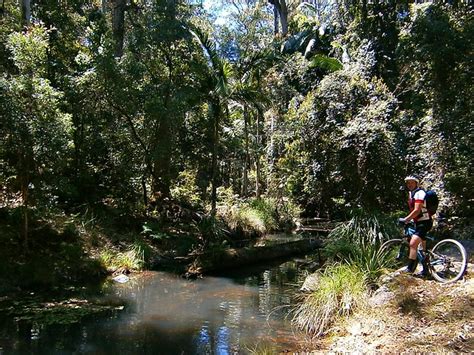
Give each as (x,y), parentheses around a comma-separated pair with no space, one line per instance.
(448,261)
(390,251)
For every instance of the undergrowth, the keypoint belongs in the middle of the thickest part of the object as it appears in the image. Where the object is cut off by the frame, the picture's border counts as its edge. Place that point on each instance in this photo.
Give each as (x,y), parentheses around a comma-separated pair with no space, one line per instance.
(342,289)
(134,258)
(355,266)
(261,215)
(358,241)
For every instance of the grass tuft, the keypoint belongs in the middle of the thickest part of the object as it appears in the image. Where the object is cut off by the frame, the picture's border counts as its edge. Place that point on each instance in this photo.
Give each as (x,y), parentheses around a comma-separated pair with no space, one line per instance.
(134,258)
(262,349)
(342,289)
(261,215)
(358,241)
(365,229)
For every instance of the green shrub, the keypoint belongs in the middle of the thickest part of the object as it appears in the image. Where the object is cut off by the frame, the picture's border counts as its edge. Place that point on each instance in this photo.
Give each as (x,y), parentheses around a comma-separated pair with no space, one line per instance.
(339,249)
(249,220)
(366,257)
(365,229)
(342,289)
(185,188)
(257,215)
(134,258)
(262,212)
(357,242)
(370,261)
(288,213)
(152,230)
(262,349)
(212,230)
(226,198)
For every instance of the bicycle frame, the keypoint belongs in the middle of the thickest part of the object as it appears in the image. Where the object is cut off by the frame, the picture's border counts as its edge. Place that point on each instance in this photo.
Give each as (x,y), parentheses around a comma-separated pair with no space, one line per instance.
(409,230)
(446,261)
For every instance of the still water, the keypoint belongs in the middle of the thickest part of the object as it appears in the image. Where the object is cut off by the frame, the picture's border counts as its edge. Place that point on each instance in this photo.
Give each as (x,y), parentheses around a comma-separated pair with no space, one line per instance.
(165,314)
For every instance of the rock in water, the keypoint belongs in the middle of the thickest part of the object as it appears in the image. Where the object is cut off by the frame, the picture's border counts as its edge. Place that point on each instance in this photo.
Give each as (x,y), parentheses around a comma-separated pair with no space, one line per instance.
(121,278)
(310,283)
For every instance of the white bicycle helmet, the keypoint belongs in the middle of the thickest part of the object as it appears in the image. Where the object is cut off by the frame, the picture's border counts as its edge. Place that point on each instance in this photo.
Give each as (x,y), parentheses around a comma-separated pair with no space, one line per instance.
(412,178)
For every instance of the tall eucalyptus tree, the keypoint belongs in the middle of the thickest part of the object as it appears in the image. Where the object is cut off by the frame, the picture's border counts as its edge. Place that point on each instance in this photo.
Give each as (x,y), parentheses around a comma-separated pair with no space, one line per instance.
(151,86)
(26,11)
(118,25)
(280,10)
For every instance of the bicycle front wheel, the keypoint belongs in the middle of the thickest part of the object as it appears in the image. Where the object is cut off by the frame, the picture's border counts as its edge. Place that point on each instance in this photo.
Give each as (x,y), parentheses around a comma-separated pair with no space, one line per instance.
(394,253)
(448,261)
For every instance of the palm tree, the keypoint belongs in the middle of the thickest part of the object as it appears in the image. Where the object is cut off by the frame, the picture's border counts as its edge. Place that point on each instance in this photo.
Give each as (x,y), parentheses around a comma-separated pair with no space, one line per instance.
(223,90)
(251,94)
(217,78)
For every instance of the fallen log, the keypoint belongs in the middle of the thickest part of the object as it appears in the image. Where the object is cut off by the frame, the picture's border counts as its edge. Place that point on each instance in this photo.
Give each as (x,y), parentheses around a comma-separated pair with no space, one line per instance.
(231,258)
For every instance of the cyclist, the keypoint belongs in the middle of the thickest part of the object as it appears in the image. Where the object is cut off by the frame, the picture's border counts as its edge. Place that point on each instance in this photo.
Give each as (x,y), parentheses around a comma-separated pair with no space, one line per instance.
(422,220)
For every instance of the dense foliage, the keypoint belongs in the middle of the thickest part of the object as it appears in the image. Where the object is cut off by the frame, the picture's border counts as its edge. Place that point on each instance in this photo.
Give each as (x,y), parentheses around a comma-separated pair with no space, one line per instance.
(131,106)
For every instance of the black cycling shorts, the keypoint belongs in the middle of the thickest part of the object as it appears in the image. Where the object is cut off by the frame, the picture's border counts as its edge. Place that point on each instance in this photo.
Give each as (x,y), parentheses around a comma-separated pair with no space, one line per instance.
(422,228)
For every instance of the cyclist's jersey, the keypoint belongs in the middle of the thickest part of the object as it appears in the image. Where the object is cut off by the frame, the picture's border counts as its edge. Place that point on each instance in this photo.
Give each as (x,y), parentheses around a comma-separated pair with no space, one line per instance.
(418,196)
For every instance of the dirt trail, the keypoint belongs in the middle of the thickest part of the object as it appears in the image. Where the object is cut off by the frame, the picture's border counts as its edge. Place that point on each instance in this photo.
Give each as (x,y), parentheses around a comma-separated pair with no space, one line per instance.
(411,315)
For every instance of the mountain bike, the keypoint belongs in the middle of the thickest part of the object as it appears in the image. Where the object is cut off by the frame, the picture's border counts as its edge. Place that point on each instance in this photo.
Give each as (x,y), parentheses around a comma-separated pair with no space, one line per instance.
(447,260)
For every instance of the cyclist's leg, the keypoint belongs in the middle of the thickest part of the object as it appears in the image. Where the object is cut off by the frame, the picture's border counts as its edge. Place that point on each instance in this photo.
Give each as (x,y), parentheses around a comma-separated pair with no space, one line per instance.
(415,240)
(422,229)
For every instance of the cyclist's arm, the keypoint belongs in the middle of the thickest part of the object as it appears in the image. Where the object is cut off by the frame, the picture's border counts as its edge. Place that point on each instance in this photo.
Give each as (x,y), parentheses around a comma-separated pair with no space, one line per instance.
(416,211)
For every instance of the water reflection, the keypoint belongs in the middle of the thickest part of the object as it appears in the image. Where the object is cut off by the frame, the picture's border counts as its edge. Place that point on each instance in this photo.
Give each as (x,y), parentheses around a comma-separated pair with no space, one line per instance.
(170,315)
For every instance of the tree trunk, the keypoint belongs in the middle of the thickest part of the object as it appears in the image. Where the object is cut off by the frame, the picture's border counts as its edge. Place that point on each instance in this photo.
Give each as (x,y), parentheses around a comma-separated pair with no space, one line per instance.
(276,21)
(171,9)
(284,18)
(280,11)
(145,194)
(118,25)
(79,143)
(26,11)
(257,155)
(24,177)
(162,158)
(247,153)
(215,111)
(363,15)
(270,149)
(163,146)
(24,195)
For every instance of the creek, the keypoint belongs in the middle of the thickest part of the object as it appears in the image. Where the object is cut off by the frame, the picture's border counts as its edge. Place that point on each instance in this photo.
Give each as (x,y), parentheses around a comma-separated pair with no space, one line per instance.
(239,312)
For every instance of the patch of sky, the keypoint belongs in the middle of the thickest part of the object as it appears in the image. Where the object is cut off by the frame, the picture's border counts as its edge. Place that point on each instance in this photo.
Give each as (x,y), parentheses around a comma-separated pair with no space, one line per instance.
(220,14)
(219,10)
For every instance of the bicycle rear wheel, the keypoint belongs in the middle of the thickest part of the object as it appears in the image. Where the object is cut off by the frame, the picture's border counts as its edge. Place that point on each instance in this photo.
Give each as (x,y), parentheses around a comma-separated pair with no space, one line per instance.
(448,261)
(394,253)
